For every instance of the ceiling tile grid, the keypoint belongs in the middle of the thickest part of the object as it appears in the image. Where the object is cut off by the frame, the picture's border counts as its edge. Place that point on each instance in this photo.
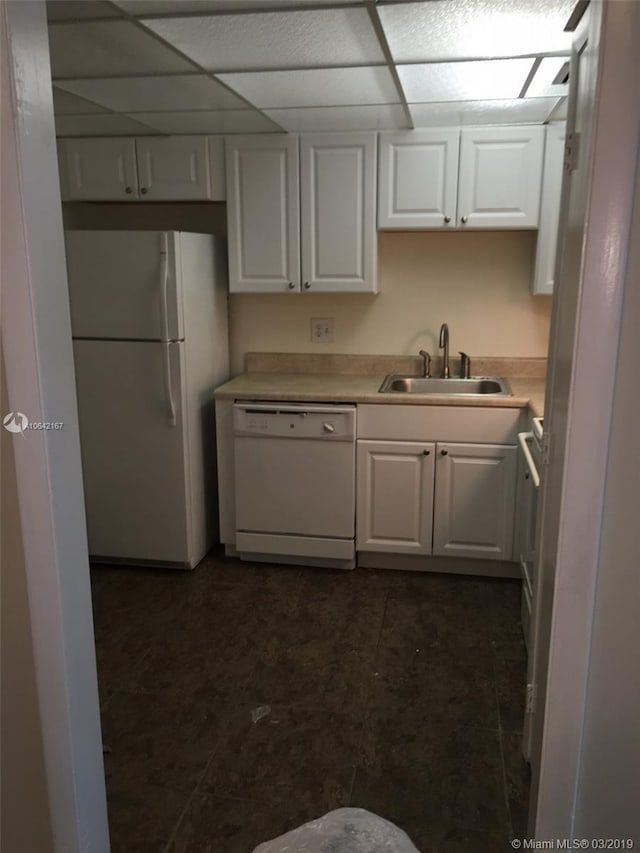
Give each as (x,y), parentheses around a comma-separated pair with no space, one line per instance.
(249,66)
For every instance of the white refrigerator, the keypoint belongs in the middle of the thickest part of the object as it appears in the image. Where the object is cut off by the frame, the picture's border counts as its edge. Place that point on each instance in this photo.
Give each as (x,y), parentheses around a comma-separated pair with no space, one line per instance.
(150,340)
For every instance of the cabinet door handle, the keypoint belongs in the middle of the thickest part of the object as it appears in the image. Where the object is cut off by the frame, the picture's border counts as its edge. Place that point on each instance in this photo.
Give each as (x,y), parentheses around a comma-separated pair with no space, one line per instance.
(426,453)
(444,453)
(464,220)
(128,190)
(143,190)
(291,285)
(447,220)
(307,285)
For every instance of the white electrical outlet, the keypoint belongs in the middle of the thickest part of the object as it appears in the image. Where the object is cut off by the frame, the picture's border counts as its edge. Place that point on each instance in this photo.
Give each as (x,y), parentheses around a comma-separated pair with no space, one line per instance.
(322,330)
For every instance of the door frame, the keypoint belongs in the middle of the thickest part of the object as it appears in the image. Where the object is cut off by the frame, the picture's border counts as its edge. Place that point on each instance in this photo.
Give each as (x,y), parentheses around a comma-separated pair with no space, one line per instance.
(36,342)
(578,412)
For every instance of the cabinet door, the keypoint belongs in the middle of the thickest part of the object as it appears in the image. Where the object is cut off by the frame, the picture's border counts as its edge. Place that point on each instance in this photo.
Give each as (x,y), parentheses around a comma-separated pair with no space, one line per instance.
(500,177)
(338,212)
(395,496)
(418,179)
(98,169)
(173,168)
(544,269)
(263,213)
(474,500)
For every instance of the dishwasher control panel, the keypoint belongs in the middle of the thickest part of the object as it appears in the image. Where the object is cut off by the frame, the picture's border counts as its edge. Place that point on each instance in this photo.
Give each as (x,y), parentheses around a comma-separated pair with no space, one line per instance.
(288,420)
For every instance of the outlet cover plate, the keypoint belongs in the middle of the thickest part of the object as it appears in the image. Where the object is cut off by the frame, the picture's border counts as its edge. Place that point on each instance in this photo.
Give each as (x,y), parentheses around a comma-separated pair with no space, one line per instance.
(322,330)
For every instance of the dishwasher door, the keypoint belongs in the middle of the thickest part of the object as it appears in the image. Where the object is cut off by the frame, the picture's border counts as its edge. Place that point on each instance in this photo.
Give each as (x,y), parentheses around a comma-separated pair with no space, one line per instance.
(295,479)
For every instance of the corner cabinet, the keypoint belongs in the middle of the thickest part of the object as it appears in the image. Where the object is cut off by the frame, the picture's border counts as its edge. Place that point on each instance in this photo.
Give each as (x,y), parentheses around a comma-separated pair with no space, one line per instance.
(545,263)
(483,177)
(148,168)
(302,219)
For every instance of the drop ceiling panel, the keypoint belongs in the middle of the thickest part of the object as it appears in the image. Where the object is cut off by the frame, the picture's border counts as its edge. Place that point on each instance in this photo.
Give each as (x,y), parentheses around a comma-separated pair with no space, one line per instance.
(374,117)
(217,121)
(315,87)
(168,7)
(100,124)
(63,10)
(450,29)
(542,85)
(308,38)
(64,103)
(515,111)
(462,81)
(107,49)
(137,94)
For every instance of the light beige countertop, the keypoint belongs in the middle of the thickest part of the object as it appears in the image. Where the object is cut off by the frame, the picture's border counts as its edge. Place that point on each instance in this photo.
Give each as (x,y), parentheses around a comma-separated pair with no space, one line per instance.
(346,382)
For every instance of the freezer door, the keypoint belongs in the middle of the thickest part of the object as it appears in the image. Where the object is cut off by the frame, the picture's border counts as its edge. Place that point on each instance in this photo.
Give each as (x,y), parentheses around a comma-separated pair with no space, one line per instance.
(133,460)
(120,283)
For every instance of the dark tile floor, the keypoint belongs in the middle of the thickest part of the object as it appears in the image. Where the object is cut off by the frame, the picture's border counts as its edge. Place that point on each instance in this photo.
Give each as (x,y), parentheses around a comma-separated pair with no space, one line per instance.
(397,692)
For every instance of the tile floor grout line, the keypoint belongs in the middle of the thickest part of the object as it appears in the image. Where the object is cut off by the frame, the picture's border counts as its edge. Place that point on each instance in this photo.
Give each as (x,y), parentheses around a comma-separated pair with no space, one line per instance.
(502,758)
(192,796)
(366,709)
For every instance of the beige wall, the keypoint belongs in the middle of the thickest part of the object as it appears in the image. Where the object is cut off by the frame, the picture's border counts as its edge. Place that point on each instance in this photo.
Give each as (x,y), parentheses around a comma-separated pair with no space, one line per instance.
(24,803)
(477,282)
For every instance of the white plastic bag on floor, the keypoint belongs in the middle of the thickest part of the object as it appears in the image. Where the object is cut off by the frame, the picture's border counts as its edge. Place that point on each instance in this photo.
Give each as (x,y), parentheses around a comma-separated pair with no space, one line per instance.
(342,831)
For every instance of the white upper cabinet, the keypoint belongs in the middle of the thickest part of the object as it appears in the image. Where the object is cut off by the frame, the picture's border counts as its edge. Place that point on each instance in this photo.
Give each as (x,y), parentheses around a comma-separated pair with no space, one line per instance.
(316,213)
(173,167)
(418,179)
(338,212)
(98,169)
(544,269)
(263,213)
(146,168)
(500,176)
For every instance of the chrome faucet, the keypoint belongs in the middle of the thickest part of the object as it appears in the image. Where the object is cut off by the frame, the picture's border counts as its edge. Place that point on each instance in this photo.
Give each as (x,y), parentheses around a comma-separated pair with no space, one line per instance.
(426,358)
(444,344)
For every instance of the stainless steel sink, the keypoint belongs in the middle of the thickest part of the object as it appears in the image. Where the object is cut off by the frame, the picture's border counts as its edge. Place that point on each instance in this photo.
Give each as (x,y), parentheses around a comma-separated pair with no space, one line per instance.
(395,384)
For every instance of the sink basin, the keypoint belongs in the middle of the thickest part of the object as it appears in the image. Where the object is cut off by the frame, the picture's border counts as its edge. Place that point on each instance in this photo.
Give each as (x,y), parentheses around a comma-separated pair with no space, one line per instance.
(395,384)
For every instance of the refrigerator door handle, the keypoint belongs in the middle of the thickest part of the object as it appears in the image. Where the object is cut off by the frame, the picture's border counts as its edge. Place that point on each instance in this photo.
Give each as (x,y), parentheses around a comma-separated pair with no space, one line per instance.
(168,385)
(164,285)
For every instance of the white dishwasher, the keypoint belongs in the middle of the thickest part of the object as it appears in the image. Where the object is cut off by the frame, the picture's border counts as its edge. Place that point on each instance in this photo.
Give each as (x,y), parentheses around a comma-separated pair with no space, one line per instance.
(295,475)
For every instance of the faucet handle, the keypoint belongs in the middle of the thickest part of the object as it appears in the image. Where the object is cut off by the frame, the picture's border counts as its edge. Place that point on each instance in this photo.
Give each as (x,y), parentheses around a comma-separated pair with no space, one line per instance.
(427,363)
(465,366)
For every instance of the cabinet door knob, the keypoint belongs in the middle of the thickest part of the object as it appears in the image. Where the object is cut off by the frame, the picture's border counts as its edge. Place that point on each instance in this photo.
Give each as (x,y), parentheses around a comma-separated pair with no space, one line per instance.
(128,190)
(143,190)
(291,285)
(526,476)
(464,220)
(444,452)
(447,220)
(307,285)
(426,452)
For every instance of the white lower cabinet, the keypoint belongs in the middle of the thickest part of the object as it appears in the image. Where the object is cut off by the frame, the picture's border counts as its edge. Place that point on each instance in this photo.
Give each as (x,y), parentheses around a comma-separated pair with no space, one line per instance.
(395,496)
(474,501)
(419,493)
